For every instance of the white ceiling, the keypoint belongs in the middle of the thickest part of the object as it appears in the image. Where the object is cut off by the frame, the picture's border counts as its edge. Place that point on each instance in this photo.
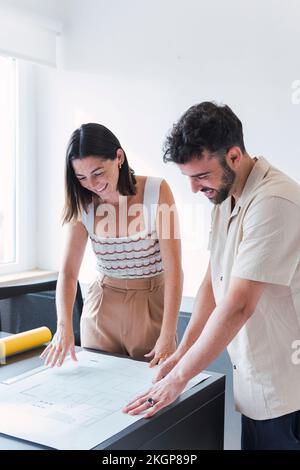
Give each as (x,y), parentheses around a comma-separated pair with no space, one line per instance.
(54,9)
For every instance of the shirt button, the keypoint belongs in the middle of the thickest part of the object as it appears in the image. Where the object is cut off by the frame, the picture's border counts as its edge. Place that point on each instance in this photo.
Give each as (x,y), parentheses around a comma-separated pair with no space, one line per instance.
(234,366)
(221,278)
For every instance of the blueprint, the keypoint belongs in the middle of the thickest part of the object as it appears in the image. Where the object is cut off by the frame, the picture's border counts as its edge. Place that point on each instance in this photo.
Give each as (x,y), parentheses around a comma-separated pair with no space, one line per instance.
(76,406)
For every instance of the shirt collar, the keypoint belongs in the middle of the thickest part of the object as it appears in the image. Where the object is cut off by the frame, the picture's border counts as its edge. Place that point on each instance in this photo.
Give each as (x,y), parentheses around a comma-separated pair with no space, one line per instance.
(256,175)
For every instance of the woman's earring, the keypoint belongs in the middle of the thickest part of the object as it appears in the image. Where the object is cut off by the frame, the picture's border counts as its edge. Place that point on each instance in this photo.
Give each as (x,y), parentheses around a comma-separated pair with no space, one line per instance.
(120,166)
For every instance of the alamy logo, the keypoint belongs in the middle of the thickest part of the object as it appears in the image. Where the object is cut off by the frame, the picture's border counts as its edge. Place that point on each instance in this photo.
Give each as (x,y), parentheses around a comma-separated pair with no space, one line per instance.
(296,354)
(295,98)
(136,218)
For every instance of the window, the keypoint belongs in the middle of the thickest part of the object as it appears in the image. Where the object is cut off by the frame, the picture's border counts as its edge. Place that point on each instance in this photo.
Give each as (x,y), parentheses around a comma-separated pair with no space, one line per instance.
(7,161)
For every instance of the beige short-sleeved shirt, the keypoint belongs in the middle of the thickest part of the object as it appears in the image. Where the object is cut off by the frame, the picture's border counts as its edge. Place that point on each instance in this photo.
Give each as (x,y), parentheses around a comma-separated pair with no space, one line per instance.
(260,240)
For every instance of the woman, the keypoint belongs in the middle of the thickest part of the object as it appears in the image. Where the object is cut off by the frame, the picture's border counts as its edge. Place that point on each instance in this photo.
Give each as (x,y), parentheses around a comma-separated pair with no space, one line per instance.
(132,306)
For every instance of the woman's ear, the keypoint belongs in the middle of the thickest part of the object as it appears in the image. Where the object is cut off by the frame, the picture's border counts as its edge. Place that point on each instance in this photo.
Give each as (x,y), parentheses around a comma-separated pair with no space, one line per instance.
(120,157)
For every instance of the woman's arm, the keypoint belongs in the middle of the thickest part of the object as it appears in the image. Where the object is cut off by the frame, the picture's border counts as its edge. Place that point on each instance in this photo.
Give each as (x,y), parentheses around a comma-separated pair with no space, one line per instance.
(75,244)
(167,227)
(63,340)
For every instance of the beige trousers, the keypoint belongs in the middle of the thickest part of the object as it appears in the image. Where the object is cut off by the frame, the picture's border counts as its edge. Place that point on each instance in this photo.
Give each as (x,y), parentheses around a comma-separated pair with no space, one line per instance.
(123,315)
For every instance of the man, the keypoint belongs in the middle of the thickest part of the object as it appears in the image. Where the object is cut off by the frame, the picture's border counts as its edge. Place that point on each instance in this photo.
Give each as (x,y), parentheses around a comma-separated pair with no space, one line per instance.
(249,299)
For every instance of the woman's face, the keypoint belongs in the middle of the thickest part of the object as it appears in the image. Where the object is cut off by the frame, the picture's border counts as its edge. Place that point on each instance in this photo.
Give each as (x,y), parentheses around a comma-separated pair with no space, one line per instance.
(98,175)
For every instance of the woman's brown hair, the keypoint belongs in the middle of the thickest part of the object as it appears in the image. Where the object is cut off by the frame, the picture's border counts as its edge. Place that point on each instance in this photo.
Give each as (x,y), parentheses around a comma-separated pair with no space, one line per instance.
(92,140)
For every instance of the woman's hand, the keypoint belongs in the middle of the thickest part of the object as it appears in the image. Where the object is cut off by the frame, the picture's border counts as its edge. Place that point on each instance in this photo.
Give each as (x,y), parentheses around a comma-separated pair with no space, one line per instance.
(62,343)
(164,347)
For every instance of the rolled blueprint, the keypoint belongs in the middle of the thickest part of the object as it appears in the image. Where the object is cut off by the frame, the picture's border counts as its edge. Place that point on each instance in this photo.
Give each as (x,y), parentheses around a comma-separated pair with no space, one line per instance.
(24,341)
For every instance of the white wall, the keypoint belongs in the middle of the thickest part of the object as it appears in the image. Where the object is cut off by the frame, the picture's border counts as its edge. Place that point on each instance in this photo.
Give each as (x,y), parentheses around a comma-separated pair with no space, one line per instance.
(137,65)
(53,9)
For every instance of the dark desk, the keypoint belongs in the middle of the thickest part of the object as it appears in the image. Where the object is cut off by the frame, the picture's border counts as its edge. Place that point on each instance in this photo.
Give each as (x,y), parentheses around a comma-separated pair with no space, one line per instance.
(195,421)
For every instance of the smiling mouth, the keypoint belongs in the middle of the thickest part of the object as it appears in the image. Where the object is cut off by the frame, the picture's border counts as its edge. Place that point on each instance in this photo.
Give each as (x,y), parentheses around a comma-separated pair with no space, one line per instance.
(210,193)
(101,189)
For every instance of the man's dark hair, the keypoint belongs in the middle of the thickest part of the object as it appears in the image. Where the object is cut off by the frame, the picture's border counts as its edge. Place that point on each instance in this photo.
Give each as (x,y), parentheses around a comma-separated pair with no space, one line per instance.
(204,126)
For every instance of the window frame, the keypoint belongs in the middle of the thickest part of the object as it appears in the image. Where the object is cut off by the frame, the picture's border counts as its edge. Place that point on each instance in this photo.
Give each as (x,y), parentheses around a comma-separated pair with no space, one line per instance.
(25,171)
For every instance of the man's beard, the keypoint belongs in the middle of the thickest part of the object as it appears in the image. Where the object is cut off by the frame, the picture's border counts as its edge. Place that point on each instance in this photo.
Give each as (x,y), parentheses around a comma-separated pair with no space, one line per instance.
(228,179)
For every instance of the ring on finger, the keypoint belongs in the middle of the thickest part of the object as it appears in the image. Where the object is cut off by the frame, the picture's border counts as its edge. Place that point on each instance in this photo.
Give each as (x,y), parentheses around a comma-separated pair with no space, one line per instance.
(150,402)
(163,356)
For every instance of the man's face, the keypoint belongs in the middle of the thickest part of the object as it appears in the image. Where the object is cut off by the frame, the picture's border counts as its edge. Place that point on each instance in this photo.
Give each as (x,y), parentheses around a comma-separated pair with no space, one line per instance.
(209,176)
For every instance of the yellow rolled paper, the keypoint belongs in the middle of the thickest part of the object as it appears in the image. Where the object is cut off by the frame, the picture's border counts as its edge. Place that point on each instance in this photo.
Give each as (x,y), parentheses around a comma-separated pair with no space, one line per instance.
(24,341)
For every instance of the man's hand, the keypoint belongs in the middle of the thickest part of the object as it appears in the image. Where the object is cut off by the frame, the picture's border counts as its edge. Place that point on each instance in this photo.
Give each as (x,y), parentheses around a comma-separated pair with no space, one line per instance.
(157,397)
(167,366)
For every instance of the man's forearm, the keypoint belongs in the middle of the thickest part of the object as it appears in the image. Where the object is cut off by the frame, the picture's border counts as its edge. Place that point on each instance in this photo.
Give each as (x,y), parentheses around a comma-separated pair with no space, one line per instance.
(221,327)
(172,299)
(204,305)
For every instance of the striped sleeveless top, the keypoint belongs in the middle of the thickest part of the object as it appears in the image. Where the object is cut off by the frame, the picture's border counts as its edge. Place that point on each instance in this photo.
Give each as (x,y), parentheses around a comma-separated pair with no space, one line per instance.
(135,256)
